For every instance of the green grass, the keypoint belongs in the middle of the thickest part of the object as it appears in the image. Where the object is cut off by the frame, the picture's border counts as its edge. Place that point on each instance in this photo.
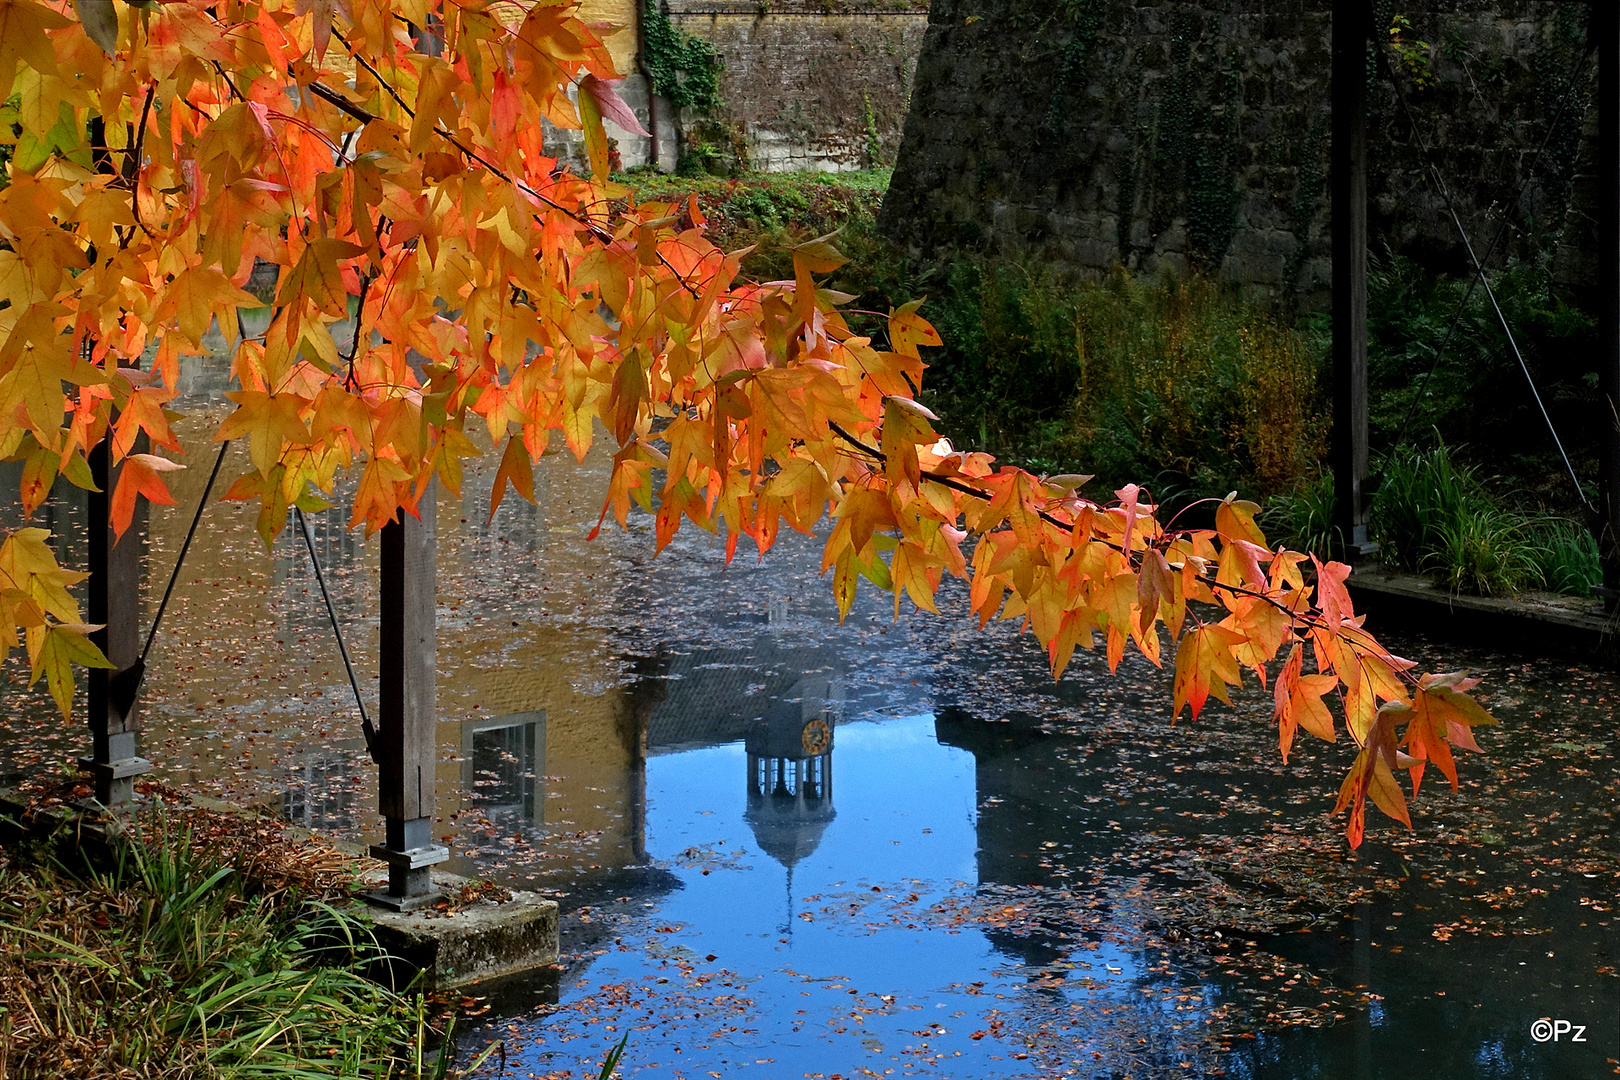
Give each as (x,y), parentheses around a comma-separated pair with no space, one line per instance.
(1433,515)
(173,963)
(1302,520)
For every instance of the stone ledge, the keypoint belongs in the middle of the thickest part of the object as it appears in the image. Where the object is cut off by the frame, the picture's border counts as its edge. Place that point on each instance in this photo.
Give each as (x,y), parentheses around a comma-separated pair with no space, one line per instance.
(470,946)
(1532,623)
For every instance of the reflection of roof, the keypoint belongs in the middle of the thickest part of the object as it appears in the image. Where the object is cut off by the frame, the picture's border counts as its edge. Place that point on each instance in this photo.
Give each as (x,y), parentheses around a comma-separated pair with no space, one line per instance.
(786,829)
(715,695)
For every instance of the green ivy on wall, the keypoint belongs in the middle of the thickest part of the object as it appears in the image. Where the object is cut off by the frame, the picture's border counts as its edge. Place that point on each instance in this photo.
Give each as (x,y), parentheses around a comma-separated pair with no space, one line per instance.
(1086,16)
(684,69)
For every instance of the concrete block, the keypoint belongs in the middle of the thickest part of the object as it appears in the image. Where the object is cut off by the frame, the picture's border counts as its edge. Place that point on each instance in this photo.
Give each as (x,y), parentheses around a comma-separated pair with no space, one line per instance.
(481,943)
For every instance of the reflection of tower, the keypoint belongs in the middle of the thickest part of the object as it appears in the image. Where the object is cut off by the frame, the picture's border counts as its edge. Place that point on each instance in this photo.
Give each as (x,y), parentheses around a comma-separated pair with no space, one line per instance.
(790,784)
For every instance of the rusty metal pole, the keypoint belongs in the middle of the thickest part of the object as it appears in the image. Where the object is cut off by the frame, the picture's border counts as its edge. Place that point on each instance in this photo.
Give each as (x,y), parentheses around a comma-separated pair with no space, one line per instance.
(1605,28)
(115,602)
(407,712)
(1349,167)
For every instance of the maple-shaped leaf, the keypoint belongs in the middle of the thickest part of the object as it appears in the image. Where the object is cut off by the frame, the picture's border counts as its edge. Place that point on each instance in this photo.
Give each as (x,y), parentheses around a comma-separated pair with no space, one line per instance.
(23,37)
(1205,665)
(908,330)
(1299,702)
(1440,716)
(63,646)
(516,469)
(29,568)
(140,474)
(1331,595)
(270,421)
(1372,774)
(318,277)
(1234,520)
(196,295)
(905,425)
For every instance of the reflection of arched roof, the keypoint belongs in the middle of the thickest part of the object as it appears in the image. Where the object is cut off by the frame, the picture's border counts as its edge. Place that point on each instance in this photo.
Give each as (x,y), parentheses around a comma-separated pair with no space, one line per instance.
(785,835)
(709,700)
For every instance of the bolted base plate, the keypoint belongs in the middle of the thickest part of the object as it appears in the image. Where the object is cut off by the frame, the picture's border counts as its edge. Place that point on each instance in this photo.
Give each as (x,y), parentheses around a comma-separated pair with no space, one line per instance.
(122,769)
(386,900)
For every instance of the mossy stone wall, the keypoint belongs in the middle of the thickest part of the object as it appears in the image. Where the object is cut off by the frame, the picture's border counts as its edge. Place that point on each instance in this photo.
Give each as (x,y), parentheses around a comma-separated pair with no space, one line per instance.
(1085,132)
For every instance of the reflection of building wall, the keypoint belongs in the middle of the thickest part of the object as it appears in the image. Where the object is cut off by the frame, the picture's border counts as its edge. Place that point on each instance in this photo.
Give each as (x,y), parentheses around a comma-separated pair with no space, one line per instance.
(1015,782)
(531,722)
(320,798)
(1022,799)
(716,695)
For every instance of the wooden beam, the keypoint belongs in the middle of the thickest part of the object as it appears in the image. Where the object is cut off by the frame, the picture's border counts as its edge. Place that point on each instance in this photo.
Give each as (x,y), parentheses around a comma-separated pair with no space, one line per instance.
(114,598)
(1605,28)
(1349,192)
(407,713)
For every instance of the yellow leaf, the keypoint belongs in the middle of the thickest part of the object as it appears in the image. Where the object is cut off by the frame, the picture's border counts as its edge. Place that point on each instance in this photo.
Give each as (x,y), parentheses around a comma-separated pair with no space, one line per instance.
(517,469)
(1205,665)
(62,648)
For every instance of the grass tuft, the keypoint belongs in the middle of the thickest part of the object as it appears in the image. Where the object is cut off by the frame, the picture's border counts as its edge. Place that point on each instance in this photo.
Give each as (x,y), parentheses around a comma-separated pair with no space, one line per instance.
(173,963)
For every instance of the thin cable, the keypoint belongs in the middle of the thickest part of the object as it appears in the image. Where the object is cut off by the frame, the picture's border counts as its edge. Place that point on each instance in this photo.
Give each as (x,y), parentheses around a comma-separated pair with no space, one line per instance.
(366,727)
(1445,194)
(174,575)
(1490,249)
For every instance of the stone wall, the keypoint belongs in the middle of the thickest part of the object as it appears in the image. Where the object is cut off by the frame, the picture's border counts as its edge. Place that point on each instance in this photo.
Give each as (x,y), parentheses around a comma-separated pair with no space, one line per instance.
(1086,132)
(810,84)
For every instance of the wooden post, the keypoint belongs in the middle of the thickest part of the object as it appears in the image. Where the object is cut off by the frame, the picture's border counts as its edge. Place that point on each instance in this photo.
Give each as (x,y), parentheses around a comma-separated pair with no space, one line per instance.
(1605,28)
(1349,168)
(115,602)
(407,709)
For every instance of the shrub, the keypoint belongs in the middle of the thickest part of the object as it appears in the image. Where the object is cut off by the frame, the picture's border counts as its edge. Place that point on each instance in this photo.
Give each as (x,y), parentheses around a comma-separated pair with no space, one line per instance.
(1178,379)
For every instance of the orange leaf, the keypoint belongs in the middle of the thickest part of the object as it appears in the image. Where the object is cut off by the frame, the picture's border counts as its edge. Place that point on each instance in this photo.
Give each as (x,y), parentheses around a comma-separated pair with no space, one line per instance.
(1205,665)
(517,469)
(139,475)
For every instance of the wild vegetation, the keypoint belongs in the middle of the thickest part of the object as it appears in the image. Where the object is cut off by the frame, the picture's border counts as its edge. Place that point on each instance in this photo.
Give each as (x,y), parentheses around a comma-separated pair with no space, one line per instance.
(207,947)
(1181,383)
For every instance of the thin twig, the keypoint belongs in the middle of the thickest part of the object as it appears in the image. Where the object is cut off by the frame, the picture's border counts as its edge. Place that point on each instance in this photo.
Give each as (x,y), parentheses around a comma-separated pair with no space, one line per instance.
(135,178)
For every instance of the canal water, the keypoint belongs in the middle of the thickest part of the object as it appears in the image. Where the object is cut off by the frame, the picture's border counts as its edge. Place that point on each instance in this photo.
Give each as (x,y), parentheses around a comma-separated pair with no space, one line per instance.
(785,848)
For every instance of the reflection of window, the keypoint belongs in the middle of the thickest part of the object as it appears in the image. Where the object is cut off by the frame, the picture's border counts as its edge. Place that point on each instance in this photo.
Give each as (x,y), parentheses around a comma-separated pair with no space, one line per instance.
(502,759)
(322,798)
(786,777)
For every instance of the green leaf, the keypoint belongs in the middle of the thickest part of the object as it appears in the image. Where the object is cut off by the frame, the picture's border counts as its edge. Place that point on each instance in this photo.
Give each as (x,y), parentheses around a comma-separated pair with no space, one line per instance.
(100,20)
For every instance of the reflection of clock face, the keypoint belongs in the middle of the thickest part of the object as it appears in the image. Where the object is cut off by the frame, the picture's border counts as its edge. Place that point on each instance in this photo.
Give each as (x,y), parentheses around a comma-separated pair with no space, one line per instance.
(816,737)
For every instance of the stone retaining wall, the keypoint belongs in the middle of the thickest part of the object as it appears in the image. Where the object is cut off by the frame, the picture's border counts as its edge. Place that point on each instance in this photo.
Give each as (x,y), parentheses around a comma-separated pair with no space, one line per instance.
(812,84)
(1086,132)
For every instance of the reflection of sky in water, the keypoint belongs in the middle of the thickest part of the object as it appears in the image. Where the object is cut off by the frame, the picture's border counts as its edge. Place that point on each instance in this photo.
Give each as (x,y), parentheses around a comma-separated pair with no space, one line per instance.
(595,705)
(835,977)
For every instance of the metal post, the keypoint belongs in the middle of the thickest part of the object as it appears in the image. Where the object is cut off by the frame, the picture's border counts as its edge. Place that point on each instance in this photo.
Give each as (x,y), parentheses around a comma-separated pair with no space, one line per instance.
(115,603)
(1605,28)
(406,710)
(1349,167)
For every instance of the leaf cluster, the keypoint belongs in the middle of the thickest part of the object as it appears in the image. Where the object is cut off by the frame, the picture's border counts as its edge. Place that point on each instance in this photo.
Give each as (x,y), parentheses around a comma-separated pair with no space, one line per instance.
(440,274)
